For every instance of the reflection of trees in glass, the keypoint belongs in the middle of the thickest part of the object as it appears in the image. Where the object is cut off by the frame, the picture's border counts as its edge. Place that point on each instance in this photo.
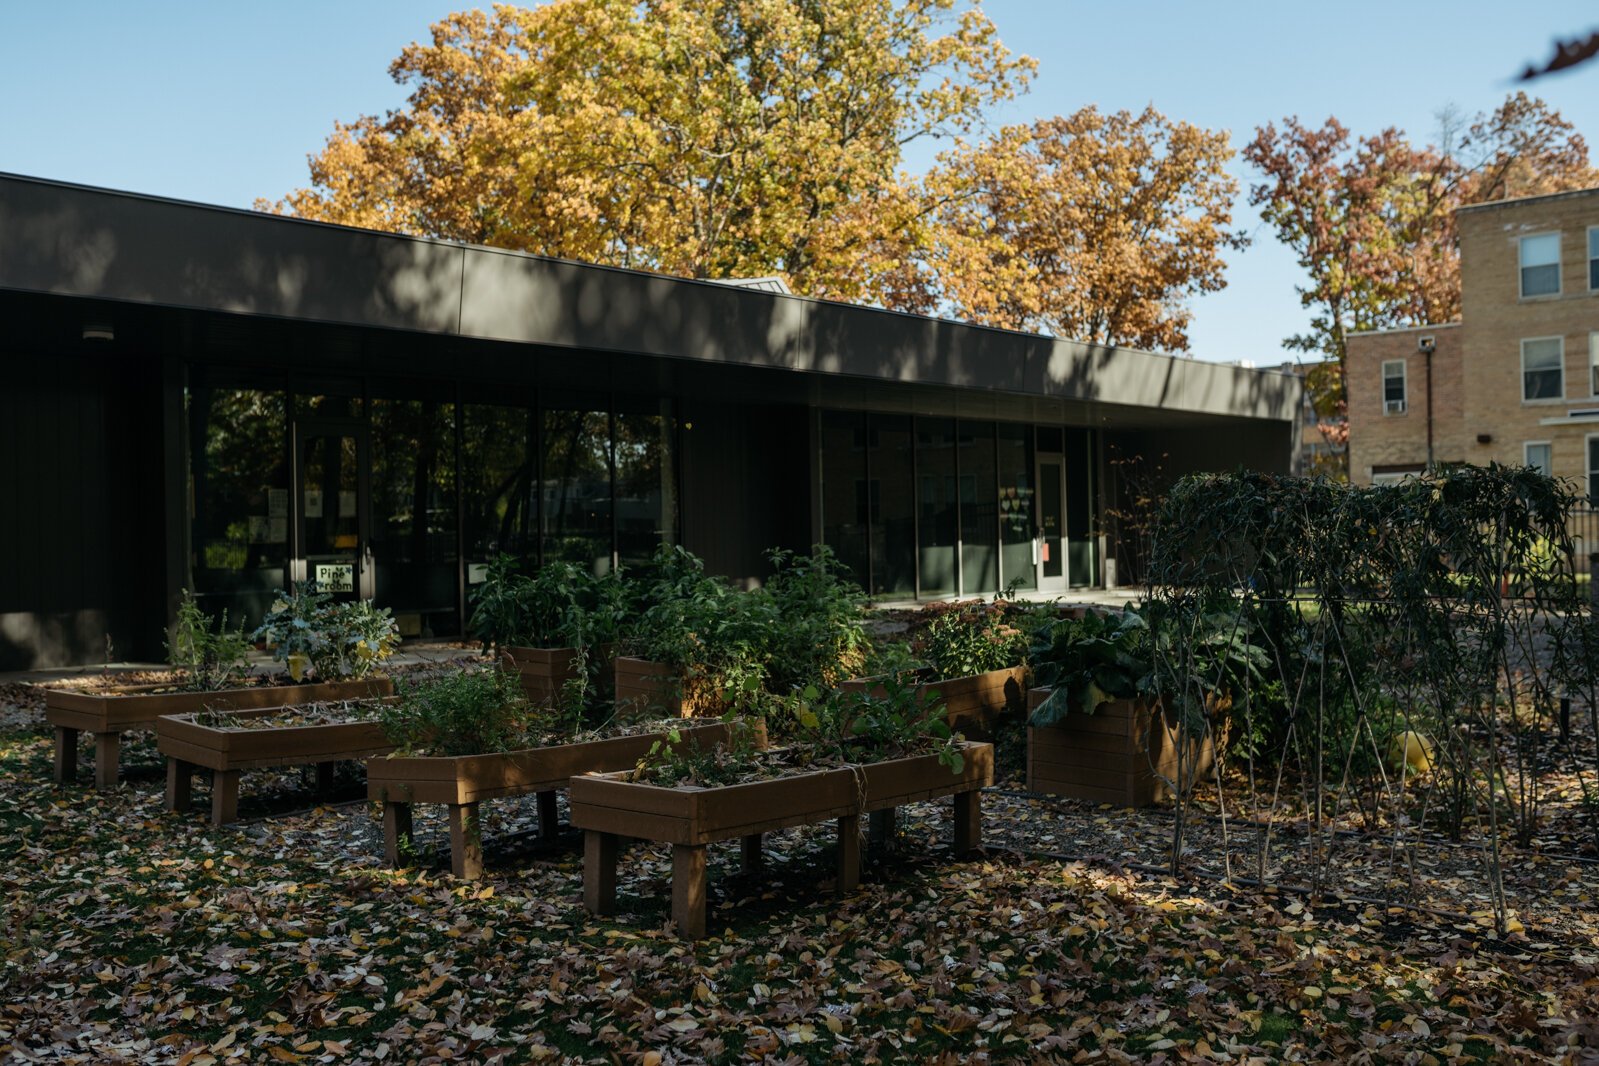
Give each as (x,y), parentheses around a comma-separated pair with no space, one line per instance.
(577,487)
(413,480)
(646,497)
(237,455)
(497,481)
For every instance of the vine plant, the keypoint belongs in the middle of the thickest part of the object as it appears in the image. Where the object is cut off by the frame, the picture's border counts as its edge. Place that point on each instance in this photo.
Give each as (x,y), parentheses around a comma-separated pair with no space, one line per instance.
(1438,619)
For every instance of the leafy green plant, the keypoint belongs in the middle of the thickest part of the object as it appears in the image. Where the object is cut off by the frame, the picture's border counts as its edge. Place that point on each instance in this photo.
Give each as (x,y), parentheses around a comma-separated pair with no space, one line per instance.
(548,609)
(974,639)
(312,634)
(1089,661)
(816,627)
(210,659)
(465,712)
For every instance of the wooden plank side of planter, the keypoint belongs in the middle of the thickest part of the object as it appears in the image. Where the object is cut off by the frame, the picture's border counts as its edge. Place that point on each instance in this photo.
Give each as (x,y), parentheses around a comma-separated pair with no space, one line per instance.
(246,749)
(976,703)
(474,778)
(543,672)
(645,687)
(902,781)
(703,816)
(140,708)
(972,704)
(1101,757)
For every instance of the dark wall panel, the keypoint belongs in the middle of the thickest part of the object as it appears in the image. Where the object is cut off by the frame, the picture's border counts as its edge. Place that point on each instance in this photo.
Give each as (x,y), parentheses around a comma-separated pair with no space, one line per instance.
(81,545)
(746,485)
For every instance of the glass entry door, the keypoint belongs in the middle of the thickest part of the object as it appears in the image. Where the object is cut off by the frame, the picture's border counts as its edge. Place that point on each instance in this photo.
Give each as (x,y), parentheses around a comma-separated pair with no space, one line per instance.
(1049,545)
(333,543)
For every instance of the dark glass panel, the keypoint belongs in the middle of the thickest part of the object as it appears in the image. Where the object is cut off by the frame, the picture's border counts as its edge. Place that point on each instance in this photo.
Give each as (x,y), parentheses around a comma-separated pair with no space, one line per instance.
(415,547)
(496,486)
(646,483)
(1016,521)
(979,509)
(238,496)
(935,501)
(1082,568)
(893,506)
(575,494)
(844,488)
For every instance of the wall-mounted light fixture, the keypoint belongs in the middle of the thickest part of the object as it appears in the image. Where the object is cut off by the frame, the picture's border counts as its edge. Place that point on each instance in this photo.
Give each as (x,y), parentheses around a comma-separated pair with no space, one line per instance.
(97,331)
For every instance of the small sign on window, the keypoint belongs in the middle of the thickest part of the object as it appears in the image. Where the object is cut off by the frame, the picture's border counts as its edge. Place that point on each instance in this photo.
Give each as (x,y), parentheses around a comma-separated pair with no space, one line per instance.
(335,577)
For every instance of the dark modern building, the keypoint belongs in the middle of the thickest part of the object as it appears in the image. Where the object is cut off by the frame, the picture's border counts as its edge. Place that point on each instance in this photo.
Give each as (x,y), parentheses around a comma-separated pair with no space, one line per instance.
(226,401)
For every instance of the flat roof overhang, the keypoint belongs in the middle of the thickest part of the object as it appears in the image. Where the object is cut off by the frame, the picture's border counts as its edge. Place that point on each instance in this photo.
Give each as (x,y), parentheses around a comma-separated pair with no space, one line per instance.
(77,242)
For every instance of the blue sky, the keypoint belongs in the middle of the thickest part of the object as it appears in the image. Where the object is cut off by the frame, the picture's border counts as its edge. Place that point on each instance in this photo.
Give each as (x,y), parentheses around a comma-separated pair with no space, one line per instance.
(220,103)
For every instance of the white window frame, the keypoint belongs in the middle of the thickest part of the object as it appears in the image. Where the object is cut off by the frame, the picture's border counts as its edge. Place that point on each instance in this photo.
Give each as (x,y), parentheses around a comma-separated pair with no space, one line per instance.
(1560,365)
(1593,258)
(1404,385)
(1526,454)
(1593,364)
(1521,266)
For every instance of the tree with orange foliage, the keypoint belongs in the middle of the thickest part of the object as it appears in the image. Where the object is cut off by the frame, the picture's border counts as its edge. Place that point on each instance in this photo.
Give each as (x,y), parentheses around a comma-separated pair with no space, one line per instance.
(1092,226)
(703,138)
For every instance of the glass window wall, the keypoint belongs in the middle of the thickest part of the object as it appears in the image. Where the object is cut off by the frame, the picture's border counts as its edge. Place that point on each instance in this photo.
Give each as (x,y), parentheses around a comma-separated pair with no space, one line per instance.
(646,481)
(414,535)
(936,508)
(1017,523)
(575,490)
(845,489)
(979,508)
(238,495)
(893,506)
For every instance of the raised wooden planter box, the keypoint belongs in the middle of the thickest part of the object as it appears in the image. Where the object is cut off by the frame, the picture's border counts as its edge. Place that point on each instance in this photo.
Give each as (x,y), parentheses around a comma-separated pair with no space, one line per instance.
(188,746)
(647,688)
(1118,754)
(544,672)
(974,704)
(609,809)
(107,715)
(465,781)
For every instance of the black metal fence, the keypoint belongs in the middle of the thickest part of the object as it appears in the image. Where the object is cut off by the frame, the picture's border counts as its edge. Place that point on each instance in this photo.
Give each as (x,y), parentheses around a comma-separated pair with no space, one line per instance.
(1583,524)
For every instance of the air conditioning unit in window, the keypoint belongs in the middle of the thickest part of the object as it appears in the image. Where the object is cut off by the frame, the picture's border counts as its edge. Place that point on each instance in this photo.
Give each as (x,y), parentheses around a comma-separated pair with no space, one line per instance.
(1393,407)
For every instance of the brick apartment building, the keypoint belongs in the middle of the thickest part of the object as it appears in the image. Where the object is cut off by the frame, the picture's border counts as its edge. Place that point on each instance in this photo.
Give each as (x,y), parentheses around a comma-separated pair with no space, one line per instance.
(1517,378)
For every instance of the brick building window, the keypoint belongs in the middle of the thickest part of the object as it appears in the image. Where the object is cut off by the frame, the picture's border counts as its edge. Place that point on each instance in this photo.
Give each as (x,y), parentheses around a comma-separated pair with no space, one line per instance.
(1539,454)
(1393,387)
(1593,471)
(1543,368)
(1593,364)
(1593,258)
(1540,265)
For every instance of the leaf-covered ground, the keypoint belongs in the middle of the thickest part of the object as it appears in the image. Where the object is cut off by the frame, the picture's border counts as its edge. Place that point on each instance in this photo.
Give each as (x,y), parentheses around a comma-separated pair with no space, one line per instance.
(133,935)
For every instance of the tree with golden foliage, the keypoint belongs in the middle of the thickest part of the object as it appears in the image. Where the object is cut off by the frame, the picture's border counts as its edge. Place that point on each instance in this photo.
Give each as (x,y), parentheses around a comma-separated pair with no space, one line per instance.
(704,138)
(1093,226)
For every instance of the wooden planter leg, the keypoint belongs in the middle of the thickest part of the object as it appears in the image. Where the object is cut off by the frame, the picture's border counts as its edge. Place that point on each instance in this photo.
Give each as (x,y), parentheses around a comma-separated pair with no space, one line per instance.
(599,871)
(968,821)
(750,853)
(224,796)
(396,833)
(549,824)
(66,769)
(180,783)
(688,890)
(466,842)
(849,853)
(107,753)
(880,828)
(324,778)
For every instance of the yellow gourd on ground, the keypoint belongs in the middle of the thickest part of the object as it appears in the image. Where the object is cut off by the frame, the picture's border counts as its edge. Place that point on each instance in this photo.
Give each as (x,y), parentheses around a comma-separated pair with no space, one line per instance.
(1410,749)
